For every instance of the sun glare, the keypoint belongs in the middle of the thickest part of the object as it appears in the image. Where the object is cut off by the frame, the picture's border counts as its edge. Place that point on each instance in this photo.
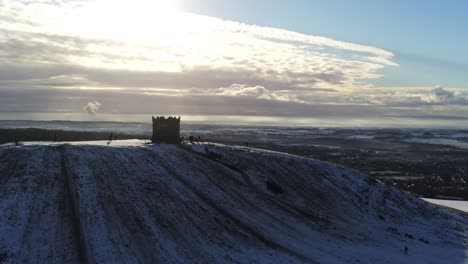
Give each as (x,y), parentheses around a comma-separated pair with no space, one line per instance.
(145,8)
(135,20)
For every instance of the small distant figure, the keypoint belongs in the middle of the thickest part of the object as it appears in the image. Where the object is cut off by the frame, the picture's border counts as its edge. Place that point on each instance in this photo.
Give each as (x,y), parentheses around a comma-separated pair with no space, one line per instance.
(406,250)
(199,139)
(16,142)
(191,139)
(182,139)
(246,144)
(111,137)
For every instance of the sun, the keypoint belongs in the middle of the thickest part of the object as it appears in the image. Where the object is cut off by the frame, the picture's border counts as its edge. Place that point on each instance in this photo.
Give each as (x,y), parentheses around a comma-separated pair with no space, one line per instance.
(129,20)
(145,8)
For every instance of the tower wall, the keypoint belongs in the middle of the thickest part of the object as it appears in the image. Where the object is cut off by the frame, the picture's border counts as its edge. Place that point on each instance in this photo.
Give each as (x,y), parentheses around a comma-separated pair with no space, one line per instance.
(166,130)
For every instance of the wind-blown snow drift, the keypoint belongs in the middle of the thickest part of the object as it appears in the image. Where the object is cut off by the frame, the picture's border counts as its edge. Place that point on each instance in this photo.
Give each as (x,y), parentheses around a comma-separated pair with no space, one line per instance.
(209,204)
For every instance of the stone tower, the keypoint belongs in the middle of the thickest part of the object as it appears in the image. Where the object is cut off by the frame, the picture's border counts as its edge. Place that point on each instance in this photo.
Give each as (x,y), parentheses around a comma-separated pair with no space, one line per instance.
(166,130)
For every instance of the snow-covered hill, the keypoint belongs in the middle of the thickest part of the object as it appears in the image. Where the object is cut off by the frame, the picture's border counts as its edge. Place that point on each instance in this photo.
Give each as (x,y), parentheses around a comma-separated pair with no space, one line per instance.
(130,203)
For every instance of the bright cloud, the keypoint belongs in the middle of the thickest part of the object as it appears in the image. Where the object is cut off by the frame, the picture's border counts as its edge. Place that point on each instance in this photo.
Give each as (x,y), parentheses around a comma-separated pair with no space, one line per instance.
(132,36)
(92,107)
(242,90)
(439,95)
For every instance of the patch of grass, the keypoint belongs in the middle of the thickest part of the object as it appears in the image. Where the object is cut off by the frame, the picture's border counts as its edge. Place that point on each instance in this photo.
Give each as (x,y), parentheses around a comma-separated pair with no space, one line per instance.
(274,187)
(3,257)
(423,241)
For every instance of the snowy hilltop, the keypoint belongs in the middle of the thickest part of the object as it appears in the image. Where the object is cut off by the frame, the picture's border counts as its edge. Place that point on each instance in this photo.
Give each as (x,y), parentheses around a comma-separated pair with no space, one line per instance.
(133,203)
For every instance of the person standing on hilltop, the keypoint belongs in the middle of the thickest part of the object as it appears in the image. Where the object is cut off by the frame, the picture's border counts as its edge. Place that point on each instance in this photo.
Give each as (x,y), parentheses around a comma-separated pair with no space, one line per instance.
(111,137)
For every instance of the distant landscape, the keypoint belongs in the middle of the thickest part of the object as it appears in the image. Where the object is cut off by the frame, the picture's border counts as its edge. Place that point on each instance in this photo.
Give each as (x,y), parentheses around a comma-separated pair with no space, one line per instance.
(431,163)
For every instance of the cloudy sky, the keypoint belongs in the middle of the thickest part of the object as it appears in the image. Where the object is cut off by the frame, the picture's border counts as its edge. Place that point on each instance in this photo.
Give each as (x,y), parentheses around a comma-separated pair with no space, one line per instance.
(304,59)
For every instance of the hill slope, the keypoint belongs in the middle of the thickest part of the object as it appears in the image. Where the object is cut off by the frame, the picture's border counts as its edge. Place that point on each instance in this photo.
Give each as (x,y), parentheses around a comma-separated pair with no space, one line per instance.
(209,204)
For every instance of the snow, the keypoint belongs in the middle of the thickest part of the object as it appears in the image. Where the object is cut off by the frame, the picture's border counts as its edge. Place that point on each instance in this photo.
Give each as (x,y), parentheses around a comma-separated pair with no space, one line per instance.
(459,205)
(440,141)
(208,203)
(113,143)
(366,137)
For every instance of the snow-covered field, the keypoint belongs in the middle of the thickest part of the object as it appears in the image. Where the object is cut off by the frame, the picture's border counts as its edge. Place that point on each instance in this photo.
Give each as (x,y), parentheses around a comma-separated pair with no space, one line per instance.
(459,205)
(128,202)
(440,141)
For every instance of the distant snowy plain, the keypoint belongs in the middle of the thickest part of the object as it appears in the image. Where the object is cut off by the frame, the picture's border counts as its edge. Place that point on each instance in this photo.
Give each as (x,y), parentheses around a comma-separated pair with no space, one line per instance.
(459,205)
